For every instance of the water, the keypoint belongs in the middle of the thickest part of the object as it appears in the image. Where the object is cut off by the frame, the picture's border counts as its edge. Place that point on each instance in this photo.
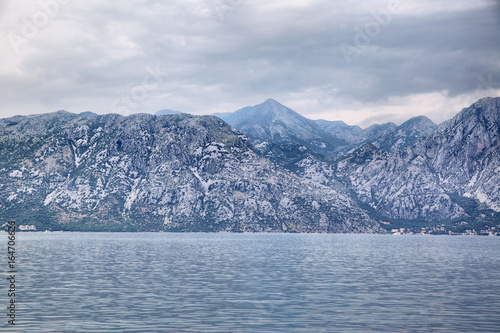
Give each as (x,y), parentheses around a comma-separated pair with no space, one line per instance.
(161,282)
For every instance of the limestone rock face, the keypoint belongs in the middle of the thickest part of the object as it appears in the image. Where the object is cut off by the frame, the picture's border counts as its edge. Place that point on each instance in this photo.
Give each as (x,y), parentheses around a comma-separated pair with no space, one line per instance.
(144,172)
(465,152)
(460,159)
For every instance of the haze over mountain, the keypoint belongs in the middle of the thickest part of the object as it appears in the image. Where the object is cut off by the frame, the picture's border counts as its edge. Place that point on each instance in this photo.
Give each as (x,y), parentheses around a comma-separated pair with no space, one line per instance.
(275,123)
(165,112)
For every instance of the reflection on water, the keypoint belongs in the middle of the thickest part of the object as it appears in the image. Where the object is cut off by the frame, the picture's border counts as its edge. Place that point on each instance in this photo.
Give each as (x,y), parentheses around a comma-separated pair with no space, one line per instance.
(147,282)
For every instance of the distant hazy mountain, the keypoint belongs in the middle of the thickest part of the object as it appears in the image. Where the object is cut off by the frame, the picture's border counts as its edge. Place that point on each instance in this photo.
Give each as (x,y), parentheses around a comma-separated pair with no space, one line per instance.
(351,134)
(87,113)
(376,131)
(166,112)
(354,135)
(405,135)
(273,122)
(277,124)
(388,137)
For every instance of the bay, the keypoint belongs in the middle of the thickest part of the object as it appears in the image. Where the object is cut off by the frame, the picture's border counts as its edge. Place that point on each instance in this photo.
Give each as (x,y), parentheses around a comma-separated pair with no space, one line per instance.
(194,282)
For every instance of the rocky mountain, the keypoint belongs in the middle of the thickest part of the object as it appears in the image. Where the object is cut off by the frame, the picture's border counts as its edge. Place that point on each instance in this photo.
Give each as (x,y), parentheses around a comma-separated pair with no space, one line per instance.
(144,172)
(277,124)
(309,166)
(87,113)
(388,137)
(465,152)
(196,173)
(413,172)
(406,135)
(451,174)
(350,134)
(355,135)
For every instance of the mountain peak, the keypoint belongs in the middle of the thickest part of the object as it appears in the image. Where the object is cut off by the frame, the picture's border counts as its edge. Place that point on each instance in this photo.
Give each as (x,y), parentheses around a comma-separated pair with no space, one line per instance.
(272,102)
(485,99)
(484,110)
(271,105)
(419,121)
(490,104)
(263,113)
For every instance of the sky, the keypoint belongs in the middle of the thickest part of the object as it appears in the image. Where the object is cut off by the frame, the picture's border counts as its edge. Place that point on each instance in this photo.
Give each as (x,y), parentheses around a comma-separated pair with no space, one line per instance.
(362,62)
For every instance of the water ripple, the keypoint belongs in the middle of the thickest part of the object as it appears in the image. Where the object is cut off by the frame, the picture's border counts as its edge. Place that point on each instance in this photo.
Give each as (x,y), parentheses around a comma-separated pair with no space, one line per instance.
(146,282)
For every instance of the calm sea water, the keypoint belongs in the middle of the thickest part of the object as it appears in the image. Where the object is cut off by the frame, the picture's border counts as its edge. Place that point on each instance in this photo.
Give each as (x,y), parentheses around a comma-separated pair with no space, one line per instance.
(167,282)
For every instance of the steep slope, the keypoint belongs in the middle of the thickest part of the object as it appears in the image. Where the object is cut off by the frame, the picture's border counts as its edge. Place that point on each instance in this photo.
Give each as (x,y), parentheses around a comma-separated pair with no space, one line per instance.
(433,179)
(400,185)
(310,167)
(465,152)
(145,172)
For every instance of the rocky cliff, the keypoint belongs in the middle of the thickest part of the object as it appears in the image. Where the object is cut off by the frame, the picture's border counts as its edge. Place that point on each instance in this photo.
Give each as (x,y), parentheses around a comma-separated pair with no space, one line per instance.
(145,172)
(433,179)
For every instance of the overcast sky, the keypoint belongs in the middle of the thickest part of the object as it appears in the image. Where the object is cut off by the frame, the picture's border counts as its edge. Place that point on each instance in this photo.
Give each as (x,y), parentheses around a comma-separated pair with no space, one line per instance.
(363,62)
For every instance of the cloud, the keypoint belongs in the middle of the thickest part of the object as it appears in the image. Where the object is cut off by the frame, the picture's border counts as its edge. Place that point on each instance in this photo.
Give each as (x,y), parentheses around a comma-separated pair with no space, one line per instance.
(221,55)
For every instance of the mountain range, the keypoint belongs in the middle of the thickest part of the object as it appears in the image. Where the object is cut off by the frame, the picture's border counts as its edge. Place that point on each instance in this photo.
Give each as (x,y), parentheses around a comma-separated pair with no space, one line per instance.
(273,122)
(263,168)
(450,174)
(154,173)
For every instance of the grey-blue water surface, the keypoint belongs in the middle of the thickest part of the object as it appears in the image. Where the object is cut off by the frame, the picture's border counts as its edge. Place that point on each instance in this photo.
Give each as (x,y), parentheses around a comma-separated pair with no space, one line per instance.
(175,282)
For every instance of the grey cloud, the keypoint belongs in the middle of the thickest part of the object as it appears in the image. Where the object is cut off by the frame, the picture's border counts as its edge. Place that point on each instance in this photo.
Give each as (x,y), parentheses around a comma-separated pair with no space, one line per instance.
(224,54)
